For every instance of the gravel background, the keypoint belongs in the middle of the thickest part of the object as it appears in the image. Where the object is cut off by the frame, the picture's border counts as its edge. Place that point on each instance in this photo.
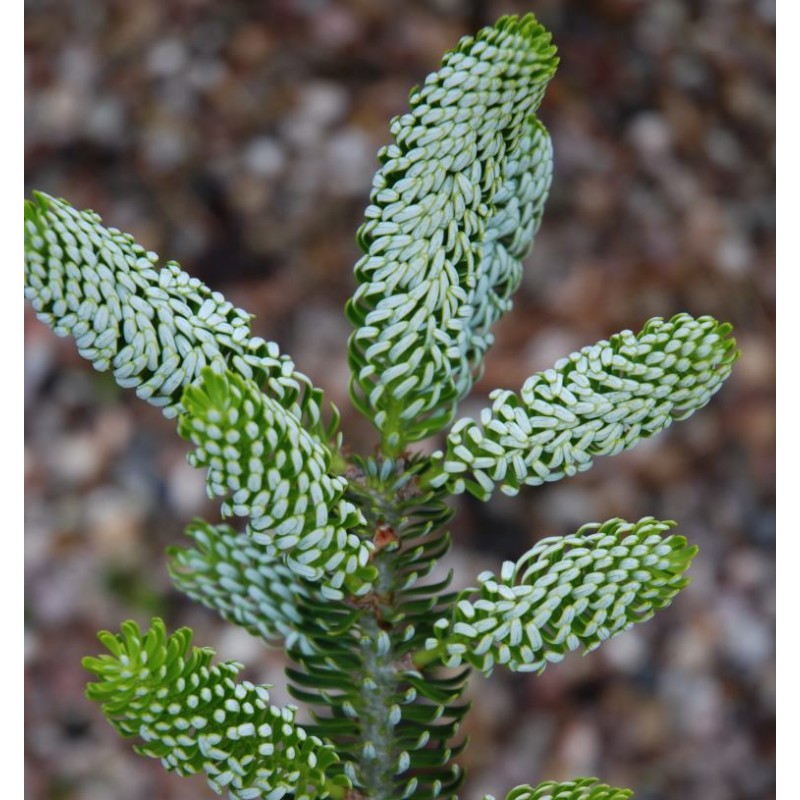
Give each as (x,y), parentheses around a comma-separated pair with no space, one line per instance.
(239,138)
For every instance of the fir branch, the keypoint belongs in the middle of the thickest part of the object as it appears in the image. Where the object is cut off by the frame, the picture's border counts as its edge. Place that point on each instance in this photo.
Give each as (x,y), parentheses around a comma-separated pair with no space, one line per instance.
(600,400)
(393,725)
(518,208)
(275,473)
(154,326)
(438,264)
(340,547)
(578,789)
(196,718)
(245,583)
(563,594)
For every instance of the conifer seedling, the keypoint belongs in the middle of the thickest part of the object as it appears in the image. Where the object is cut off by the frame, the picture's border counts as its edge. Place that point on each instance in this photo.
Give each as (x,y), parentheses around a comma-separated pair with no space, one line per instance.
(328,553)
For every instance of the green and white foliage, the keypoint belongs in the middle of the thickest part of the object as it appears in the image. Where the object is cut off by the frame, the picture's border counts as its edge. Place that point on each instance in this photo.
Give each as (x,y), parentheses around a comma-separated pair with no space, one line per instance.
(518,208)
(275,473)
(196,718)
(565,593)
(453,208)
(580,789)
(393,726)
(600,400)
(154,326)
(339,555)
(244,582)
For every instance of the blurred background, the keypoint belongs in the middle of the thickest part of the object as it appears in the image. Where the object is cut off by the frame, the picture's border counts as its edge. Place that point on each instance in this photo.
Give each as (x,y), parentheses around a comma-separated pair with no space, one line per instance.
(239,138)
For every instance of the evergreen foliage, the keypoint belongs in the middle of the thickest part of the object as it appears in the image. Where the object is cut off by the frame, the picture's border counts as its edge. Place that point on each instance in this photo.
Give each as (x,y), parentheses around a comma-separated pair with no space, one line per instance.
(393,725)
(276,474)
(470,165)
(581,789)
(337,557)
(196,718)
(566,592)
(599,401)
(245,583)
(155,327)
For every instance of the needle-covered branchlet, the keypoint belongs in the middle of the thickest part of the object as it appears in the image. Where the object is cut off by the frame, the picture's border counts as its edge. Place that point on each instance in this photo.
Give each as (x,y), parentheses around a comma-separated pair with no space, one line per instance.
(336,559)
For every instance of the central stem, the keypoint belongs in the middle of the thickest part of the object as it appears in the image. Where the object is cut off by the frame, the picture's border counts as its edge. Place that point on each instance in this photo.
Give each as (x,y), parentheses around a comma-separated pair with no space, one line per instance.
(379,676)
(392,725)
(378,684)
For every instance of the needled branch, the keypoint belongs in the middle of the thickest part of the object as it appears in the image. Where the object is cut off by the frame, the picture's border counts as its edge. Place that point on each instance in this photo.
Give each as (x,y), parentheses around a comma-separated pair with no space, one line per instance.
(196,718)
(578,789)
(452,211)
(243,581)
(566,593)
(339,552)
(272,471)
(153,325)
(393,725)
(600,400)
